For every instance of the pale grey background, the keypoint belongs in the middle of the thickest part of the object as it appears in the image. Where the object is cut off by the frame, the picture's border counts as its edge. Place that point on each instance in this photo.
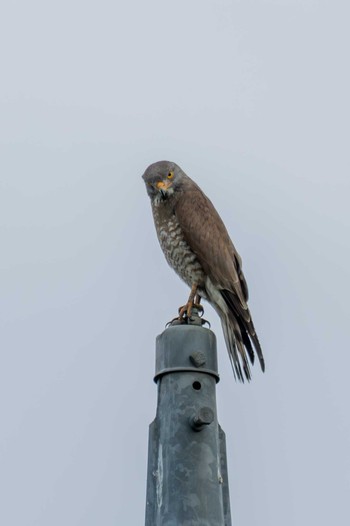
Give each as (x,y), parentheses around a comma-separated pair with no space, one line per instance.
(251,99)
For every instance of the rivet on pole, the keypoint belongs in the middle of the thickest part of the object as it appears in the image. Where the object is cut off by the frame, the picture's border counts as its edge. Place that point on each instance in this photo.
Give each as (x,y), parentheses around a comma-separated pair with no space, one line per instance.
(204,417)
(198,359)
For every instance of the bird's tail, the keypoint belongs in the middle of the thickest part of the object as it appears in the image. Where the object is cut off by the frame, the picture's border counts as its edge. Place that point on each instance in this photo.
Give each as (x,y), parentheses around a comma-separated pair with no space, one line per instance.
(240,337)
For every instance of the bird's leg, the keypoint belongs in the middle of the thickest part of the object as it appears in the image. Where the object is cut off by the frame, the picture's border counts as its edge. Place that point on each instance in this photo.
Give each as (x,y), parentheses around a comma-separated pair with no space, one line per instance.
(188,307)
(197,303)
(185,311)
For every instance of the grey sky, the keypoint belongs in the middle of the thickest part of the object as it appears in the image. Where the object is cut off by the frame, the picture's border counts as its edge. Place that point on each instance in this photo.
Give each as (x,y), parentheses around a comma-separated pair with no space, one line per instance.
(251,99)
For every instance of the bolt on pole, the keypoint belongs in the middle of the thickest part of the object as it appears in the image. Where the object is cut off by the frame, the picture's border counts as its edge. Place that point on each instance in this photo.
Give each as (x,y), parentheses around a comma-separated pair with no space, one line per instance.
(187,482)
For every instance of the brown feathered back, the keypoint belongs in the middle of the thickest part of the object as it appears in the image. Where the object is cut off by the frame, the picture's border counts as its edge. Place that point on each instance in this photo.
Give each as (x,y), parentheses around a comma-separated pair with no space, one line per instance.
(206,234)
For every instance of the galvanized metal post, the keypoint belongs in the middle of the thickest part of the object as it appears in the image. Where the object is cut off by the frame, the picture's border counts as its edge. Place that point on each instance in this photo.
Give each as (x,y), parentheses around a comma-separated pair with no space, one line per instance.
(187,470)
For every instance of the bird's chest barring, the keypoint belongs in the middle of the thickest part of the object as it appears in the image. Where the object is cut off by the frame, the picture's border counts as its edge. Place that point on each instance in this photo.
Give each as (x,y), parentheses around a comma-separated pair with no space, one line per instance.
(178,253)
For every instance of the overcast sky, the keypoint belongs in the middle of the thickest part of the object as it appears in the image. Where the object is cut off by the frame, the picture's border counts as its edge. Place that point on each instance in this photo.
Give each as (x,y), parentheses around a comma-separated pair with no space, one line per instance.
(251,99)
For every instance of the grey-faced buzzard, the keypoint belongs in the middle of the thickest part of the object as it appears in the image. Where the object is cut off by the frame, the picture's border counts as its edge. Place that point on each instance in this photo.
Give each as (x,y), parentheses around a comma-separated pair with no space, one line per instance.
(197,246)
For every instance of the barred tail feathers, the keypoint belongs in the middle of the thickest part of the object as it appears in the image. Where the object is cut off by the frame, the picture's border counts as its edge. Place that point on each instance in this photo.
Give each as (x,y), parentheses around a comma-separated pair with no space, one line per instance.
(236,347)
(247,334)
(239,333)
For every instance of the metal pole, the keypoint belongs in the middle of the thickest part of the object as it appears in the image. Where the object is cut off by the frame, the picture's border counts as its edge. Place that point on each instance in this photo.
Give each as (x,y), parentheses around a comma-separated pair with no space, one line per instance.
(187,470)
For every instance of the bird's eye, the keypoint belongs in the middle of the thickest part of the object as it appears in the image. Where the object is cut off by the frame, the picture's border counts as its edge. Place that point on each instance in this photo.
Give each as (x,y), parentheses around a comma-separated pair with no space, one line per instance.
(170,175)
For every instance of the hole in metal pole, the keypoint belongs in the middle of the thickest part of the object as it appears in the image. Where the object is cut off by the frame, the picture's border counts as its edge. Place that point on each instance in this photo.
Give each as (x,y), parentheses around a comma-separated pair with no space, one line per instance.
(197,386)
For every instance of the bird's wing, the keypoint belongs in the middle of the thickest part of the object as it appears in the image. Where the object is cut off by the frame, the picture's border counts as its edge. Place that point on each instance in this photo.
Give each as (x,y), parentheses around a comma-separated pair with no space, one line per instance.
(207,236)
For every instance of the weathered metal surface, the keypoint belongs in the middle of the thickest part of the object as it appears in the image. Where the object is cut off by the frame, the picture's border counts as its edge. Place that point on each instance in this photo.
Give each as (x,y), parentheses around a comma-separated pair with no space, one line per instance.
(187,472)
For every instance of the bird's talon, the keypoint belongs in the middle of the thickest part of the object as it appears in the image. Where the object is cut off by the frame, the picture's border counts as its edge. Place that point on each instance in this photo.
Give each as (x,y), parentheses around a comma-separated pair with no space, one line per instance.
(175,321)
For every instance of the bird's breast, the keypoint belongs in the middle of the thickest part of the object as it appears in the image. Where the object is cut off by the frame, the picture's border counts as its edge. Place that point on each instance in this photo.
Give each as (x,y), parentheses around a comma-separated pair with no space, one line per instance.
(177,251)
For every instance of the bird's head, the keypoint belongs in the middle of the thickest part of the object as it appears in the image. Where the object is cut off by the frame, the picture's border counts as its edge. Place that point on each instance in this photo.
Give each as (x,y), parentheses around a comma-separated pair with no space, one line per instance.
(162,179)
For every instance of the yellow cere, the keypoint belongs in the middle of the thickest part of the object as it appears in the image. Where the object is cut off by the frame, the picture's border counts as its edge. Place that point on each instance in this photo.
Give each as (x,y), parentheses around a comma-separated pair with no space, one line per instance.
(162,184)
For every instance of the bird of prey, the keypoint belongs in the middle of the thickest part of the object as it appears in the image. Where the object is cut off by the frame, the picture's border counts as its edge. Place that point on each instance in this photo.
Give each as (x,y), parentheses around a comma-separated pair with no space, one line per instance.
(197,246)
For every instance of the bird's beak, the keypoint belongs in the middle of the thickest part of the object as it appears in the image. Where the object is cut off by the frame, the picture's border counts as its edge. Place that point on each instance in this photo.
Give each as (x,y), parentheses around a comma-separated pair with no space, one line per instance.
(162,185)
